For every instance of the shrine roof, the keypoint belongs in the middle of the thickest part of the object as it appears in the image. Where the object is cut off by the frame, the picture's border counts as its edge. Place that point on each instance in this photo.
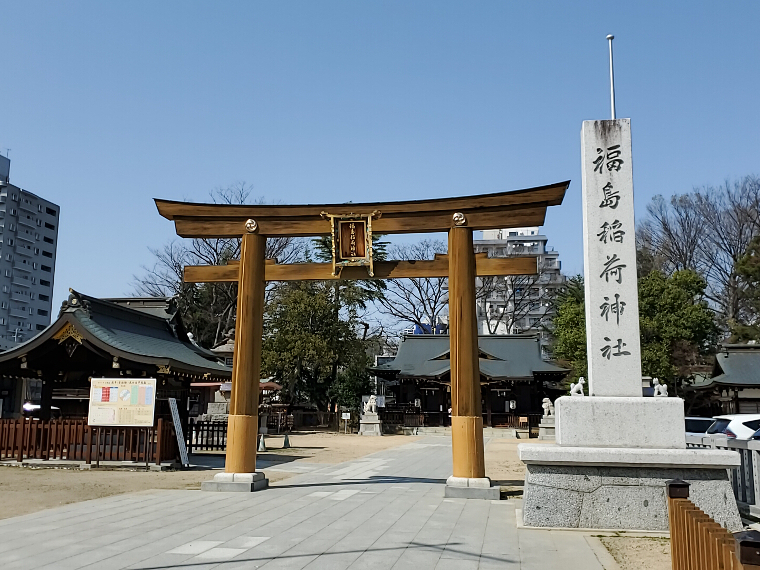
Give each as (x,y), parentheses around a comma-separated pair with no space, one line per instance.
(735,365)
(142,331)
(502,357)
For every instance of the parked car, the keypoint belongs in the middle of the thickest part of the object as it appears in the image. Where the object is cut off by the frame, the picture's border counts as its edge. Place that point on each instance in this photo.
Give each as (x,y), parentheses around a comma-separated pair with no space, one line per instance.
(739,426)
(698,426)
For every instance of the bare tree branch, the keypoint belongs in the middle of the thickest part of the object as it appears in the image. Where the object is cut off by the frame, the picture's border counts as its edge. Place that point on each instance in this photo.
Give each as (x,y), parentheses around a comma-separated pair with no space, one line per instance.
(419,301)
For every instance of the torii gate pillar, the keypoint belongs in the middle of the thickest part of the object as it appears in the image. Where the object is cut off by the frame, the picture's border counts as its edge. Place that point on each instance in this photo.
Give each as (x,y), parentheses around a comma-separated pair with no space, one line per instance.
(469,473)
(242,424)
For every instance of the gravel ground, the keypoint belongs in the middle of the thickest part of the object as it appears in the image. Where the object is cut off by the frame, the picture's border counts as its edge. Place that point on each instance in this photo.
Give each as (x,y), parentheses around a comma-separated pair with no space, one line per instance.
(639,553)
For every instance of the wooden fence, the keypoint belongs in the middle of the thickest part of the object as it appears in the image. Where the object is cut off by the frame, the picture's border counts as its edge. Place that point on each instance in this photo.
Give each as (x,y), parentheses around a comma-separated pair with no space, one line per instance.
(74,440)
(697,542)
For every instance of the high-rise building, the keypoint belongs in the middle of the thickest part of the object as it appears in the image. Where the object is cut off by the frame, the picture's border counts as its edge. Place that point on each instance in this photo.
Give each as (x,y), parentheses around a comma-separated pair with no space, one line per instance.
(518,304)
(28,240)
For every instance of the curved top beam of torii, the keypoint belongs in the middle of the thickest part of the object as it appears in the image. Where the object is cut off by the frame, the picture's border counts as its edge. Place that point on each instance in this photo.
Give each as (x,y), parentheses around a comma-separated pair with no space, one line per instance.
(517,208)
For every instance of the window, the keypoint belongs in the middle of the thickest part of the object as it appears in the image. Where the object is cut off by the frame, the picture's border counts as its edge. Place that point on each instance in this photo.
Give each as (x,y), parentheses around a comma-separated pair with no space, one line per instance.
(47,253)
(10,241)
(39,207)
(50,211)
(48,240)
(42,312)
(45,282)
(5,288)
(2,320)
(13,211)
(12,227)
(49,226)
(31,295)
(41,327)
(37,237)
(34,280)
(29,326)
(7,272)
(45,268)
(14,197)
(3,305)
(44,297)
(31,311)
(34,265)
(36,250)
(8,256)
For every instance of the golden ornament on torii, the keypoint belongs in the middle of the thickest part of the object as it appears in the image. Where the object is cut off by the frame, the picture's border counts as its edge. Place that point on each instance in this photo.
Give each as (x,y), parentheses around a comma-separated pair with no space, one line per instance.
(351,235)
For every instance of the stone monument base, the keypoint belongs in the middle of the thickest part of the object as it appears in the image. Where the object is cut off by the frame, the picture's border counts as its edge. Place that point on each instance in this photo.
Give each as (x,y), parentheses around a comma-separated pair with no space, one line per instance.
(471,488)
(615,488)
(236,482)
(370,424)
(546,428)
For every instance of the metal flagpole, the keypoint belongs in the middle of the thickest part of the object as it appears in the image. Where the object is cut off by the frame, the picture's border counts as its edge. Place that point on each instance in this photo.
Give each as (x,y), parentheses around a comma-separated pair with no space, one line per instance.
(612,78)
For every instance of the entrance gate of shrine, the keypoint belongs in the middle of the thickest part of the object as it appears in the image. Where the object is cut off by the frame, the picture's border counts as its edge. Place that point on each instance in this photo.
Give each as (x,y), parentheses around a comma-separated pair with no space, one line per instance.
(351,226)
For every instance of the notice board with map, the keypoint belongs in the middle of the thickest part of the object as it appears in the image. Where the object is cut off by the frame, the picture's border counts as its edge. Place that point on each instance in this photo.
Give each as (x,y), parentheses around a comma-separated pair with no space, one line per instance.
(122,402)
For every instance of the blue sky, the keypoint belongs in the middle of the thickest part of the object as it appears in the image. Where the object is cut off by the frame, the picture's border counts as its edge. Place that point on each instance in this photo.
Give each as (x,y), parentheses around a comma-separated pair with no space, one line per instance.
(106,105)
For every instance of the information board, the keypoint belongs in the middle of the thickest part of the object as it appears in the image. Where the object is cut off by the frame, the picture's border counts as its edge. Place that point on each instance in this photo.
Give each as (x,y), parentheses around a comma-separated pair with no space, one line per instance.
(122,402)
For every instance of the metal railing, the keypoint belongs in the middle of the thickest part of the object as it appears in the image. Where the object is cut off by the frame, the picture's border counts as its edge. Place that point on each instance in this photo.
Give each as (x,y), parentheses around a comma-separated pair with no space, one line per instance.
(745,479)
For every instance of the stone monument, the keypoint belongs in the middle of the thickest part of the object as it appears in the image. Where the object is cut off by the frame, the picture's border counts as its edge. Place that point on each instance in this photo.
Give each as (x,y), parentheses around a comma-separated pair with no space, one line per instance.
(546,427)
(370,423)
(616,449)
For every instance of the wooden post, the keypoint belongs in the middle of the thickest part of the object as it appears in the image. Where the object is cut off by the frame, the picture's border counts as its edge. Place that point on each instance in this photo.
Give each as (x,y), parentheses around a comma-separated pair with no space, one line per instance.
(242,425)
(159,440)
(466,409)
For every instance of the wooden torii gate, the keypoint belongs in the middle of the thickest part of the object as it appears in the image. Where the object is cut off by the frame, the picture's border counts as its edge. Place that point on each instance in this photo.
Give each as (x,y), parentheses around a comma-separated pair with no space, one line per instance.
(351,226)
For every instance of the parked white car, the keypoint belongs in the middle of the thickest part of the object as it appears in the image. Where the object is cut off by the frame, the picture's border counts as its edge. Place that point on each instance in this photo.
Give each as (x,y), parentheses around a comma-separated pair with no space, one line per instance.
(698,426)
(739,426)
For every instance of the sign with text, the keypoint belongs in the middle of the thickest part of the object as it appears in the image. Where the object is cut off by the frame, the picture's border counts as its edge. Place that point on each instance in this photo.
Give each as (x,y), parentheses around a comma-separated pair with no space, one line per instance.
(122,402)
(609,248)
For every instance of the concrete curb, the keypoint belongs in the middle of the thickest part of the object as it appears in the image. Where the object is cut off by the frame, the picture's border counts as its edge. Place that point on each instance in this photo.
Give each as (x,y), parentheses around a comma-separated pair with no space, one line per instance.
(602,554)
(593,531)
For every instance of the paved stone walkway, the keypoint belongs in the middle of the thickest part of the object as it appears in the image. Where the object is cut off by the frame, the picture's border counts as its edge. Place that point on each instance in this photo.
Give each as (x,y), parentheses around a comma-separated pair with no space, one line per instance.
(384,511)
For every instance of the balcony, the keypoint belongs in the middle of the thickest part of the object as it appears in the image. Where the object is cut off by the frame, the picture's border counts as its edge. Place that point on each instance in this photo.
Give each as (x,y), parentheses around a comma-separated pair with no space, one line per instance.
(19,314)
(25,236)
(19,298)
(20,281)
(28,207)
(23,267)
(23,250)
(29,223)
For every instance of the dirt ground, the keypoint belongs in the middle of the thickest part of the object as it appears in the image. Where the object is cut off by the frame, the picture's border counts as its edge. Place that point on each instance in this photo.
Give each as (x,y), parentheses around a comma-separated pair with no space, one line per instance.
(503,465)
(25,490)
(639,553)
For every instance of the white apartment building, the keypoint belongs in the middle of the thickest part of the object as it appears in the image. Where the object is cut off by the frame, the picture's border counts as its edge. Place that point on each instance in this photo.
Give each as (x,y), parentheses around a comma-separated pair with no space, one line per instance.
(28,240)
(518,304)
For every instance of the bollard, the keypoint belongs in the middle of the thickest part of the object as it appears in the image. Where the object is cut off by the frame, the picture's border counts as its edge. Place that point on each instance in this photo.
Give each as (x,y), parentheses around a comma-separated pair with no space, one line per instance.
(286,443)
(748,548)
(262,445)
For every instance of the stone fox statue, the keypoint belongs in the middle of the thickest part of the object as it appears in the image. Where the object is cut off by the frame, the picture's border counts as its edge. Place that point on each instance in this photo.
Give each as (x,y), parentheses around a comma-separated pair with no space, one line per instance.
(577,389)
(371,406)
(548,407)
